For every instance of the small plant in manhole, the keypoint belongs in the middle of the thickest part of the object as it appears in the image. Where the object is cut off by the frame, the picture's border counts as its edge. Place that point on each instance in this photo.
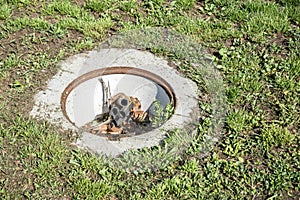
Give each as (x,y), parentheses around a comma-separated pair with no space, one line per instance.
(161,114)
(122,116)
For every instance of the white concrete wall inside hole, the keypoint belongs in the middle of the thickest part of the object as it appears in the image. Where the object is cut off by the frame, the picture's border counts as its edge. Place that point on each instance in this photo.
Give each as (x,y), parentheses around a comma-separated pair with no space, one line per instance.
(86,100)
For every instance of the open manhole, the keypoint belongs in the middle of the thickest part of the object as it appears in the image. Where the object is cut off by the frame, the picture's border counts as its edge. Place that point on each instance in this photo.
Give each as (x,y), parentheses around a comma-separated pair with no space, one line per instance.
(75,99)
(117,102)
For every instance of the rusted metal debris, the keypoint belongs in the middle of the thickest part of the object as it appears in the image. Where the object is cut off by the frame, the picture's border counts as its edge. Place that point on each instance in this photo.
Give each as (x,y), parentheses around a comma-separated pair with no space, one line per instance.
(123,111)
(118,112)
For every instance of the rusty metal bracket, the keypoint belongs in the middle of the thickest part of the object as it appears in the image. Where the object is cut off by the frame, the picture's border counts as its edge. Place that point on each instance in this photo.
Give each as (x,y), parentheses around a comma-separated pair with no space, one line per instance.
(115,70)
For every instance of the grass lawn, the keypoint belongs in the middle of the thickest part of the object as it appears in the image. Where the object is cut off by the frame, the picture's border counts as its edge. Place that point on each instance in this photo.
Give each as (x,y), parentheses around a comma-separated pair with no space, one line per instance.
(254,43)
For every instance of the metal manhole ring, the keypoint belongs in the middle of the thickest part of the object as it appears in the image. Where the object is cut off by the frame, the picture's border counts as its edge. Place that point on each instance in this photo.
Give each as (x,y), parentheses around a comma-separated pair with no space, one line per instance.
(115,70)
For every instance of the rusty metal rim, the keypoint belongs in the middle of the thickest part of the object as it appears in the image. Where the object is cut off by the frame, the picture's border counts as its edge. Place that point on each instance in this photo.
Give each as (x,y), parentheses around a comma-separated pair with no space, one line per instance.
(115,70)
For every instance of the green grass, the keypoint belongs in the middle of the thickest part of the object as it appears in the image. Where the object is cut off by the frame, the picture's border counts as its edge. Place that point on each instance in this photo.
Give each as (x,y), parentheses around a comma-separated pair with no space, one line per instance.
(255,44)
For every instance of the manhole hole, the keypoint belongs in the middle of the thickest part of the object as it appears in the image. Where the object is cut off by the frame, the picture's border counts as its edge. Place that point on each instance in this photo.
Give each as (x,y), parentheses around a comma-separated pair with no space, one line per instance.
(74,97)
(118,102)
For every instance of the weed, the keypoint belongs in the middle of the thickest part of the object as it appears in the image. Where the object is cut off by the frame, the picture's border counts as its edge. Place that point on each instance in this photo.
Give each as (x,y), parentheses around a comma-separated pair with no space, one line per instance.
(275,135)
(5,11)
(99,6)
(161,114)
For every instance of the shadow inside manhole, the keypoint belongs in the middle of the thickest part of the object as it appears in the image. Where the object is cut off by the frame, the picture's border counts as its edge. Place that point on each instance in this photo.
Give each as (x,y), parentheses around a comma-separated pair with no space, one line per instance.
(118,102)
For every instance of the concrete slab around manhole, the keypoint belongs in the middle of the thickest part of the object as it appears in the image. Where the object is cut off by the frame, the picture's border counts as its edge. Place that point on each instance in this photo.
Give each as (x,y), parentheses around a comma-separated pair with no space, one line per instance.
(47,103)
